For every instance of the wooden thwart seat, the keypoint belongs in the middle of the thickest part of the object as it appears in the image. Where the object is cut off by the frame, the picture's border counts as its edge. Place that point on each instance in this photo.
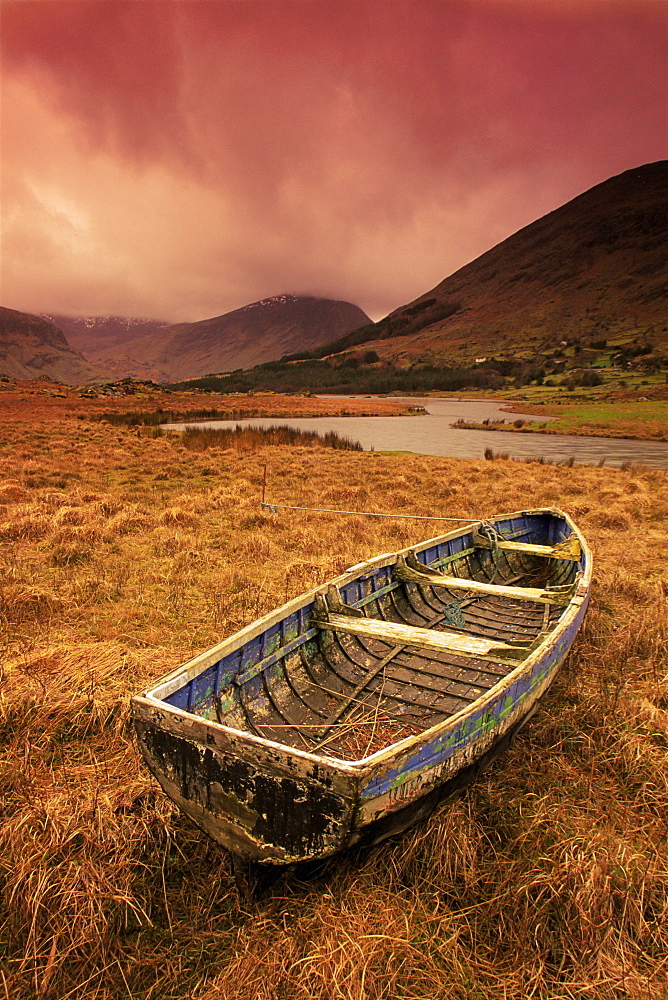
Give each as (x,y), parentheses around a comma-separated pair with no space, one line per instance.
(426,638)
(411,571)
(569,548)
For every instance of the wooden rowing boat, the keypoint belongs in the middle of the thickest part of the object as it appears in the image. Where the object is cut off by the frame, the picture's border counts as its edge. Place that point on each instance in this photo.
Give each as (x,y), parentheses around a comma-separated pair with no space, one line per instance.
(351,711)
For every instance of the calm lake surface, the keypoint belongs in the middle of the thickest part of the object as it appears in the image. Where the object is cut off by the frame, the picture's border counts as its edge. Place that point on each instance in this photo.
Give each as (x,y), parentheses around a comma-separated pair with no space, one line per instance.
(431,434)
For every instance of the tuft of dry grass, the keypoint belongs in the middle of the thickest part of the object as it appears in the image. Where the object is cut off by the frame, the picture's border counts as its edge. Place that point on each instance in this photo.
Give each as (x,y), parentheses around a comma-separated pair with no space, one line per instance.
(252,438)
(125,554)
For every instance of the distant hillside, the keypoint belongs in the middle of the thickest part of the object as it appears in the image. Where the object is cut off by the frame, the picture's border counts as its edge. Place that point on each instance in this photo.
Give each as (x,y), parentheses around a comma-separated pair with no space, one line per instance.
(594,269)
(119,347)
(31,346)
(584,286)
(261,331)
(574,301)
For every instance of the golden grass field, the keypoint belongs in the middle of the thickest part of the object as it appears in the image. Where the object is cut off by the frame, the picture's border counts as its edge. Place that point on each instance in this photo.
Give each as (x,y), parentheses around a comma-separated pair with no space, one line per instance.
(124,553)
(53,400)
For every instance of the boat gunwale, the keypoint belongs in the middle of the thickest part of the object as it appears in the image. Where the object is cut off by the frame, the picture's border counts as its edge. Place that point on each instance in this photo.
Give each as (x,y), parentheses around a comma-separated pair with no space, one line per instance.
(186,672)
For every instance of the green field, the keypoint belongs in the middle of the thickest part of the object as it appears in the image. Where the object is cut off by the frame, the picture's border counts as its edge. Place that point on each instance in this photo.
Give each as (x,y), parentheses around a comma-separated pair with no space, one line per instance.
(622,419)
(644,420)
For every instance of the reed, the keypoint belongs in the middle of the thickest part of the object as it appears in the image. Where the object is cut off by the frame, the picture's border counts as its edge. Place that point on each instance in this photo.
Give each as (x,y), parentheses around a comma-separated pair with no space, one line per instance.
(492,456)
(125,554)
(154,418)
(251,438)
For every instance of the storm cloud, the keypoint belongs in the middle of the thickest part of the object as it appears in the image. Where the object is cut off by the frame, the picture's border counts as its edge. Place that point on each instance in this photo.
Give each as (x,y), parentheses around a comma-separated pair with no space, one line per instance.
(178,160)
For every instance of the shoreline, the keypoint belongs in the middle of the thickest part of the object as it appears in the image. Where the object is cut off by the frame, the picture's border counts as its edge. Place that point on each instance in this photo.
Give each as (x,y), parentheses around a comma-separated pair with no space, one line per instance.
(584,431)
(625,419)
(636,419)
(640,420)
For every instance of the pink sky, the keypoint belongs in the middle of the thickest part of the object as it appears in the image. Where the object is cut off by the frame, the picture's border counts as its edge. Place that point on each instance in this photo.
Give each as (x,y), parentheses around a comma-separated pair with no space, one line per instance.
(178,159)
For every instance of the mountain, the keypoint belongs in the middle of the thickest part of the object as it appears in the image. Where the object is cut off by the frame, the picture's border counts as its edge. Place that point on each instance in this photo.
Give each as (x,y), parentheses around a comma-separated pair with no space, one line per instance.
(592,272)
(119,346)
(261,331)
(31,346)
(595,269)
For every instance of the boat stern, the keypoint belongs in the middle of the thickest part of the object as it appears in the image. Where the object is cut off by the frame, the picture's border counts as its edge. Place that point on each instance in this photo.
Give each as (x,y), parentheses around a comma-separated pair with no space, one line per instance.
(246,793)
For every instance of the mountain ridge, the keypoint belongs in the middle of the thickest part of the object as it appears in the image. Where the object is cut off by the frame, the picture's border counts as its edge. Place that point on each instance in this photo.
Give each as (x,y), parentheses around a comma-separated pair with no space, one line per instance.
(595,266)
(31,346)
(592,271)
(254,333)
(289,320)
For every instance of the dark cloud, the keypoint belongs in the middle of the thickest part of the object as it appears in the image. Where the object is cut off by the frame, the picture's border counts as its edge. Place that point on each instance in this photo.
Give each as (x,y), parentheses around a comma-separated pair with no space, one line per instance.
(180,159)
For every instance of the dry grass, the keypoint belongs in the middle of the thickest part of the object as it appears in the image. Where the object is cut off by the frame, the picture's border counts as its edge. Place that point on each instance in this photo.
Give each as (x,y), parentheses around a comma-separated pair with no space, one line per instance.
(44,399)
(125,553)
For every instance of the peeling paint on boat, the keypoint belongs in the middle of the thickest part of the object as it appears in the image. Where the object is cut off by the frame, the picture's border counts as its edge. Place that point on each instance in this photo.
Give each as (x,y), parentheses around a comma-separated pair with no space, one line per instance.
(268,798)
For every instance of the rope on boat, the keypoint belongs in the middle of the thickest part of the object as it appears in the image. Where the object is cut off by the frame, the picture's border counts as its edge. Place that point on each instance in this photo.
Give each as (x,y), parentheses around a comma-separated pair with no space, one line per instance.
(452,612)
(492,534)
(453,615)
(273,507)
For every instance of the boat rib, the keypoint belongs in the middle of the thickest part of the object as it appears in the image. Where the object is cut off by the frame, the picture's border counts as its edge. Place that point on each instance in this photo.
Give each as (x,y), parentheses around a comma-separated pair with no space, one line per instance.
(400,660)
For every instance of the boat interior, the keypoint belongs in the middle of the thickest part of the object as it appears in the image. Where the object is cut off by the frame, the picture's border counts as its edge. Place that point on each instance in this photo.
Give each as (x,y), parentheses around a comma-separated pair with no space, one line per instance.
(399,648)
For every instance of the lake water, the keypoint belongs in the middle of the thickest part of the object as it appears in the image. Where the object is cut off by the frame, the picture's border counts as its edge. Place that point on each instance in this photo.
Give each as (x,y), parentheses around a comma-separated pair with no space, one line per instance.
(432,434)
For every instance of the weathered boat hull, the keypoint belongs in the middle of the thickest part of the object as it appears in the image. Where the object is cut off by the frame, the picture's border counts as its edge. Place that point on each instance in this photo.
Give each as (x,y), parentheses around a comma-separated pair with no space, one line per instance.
(282,792)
